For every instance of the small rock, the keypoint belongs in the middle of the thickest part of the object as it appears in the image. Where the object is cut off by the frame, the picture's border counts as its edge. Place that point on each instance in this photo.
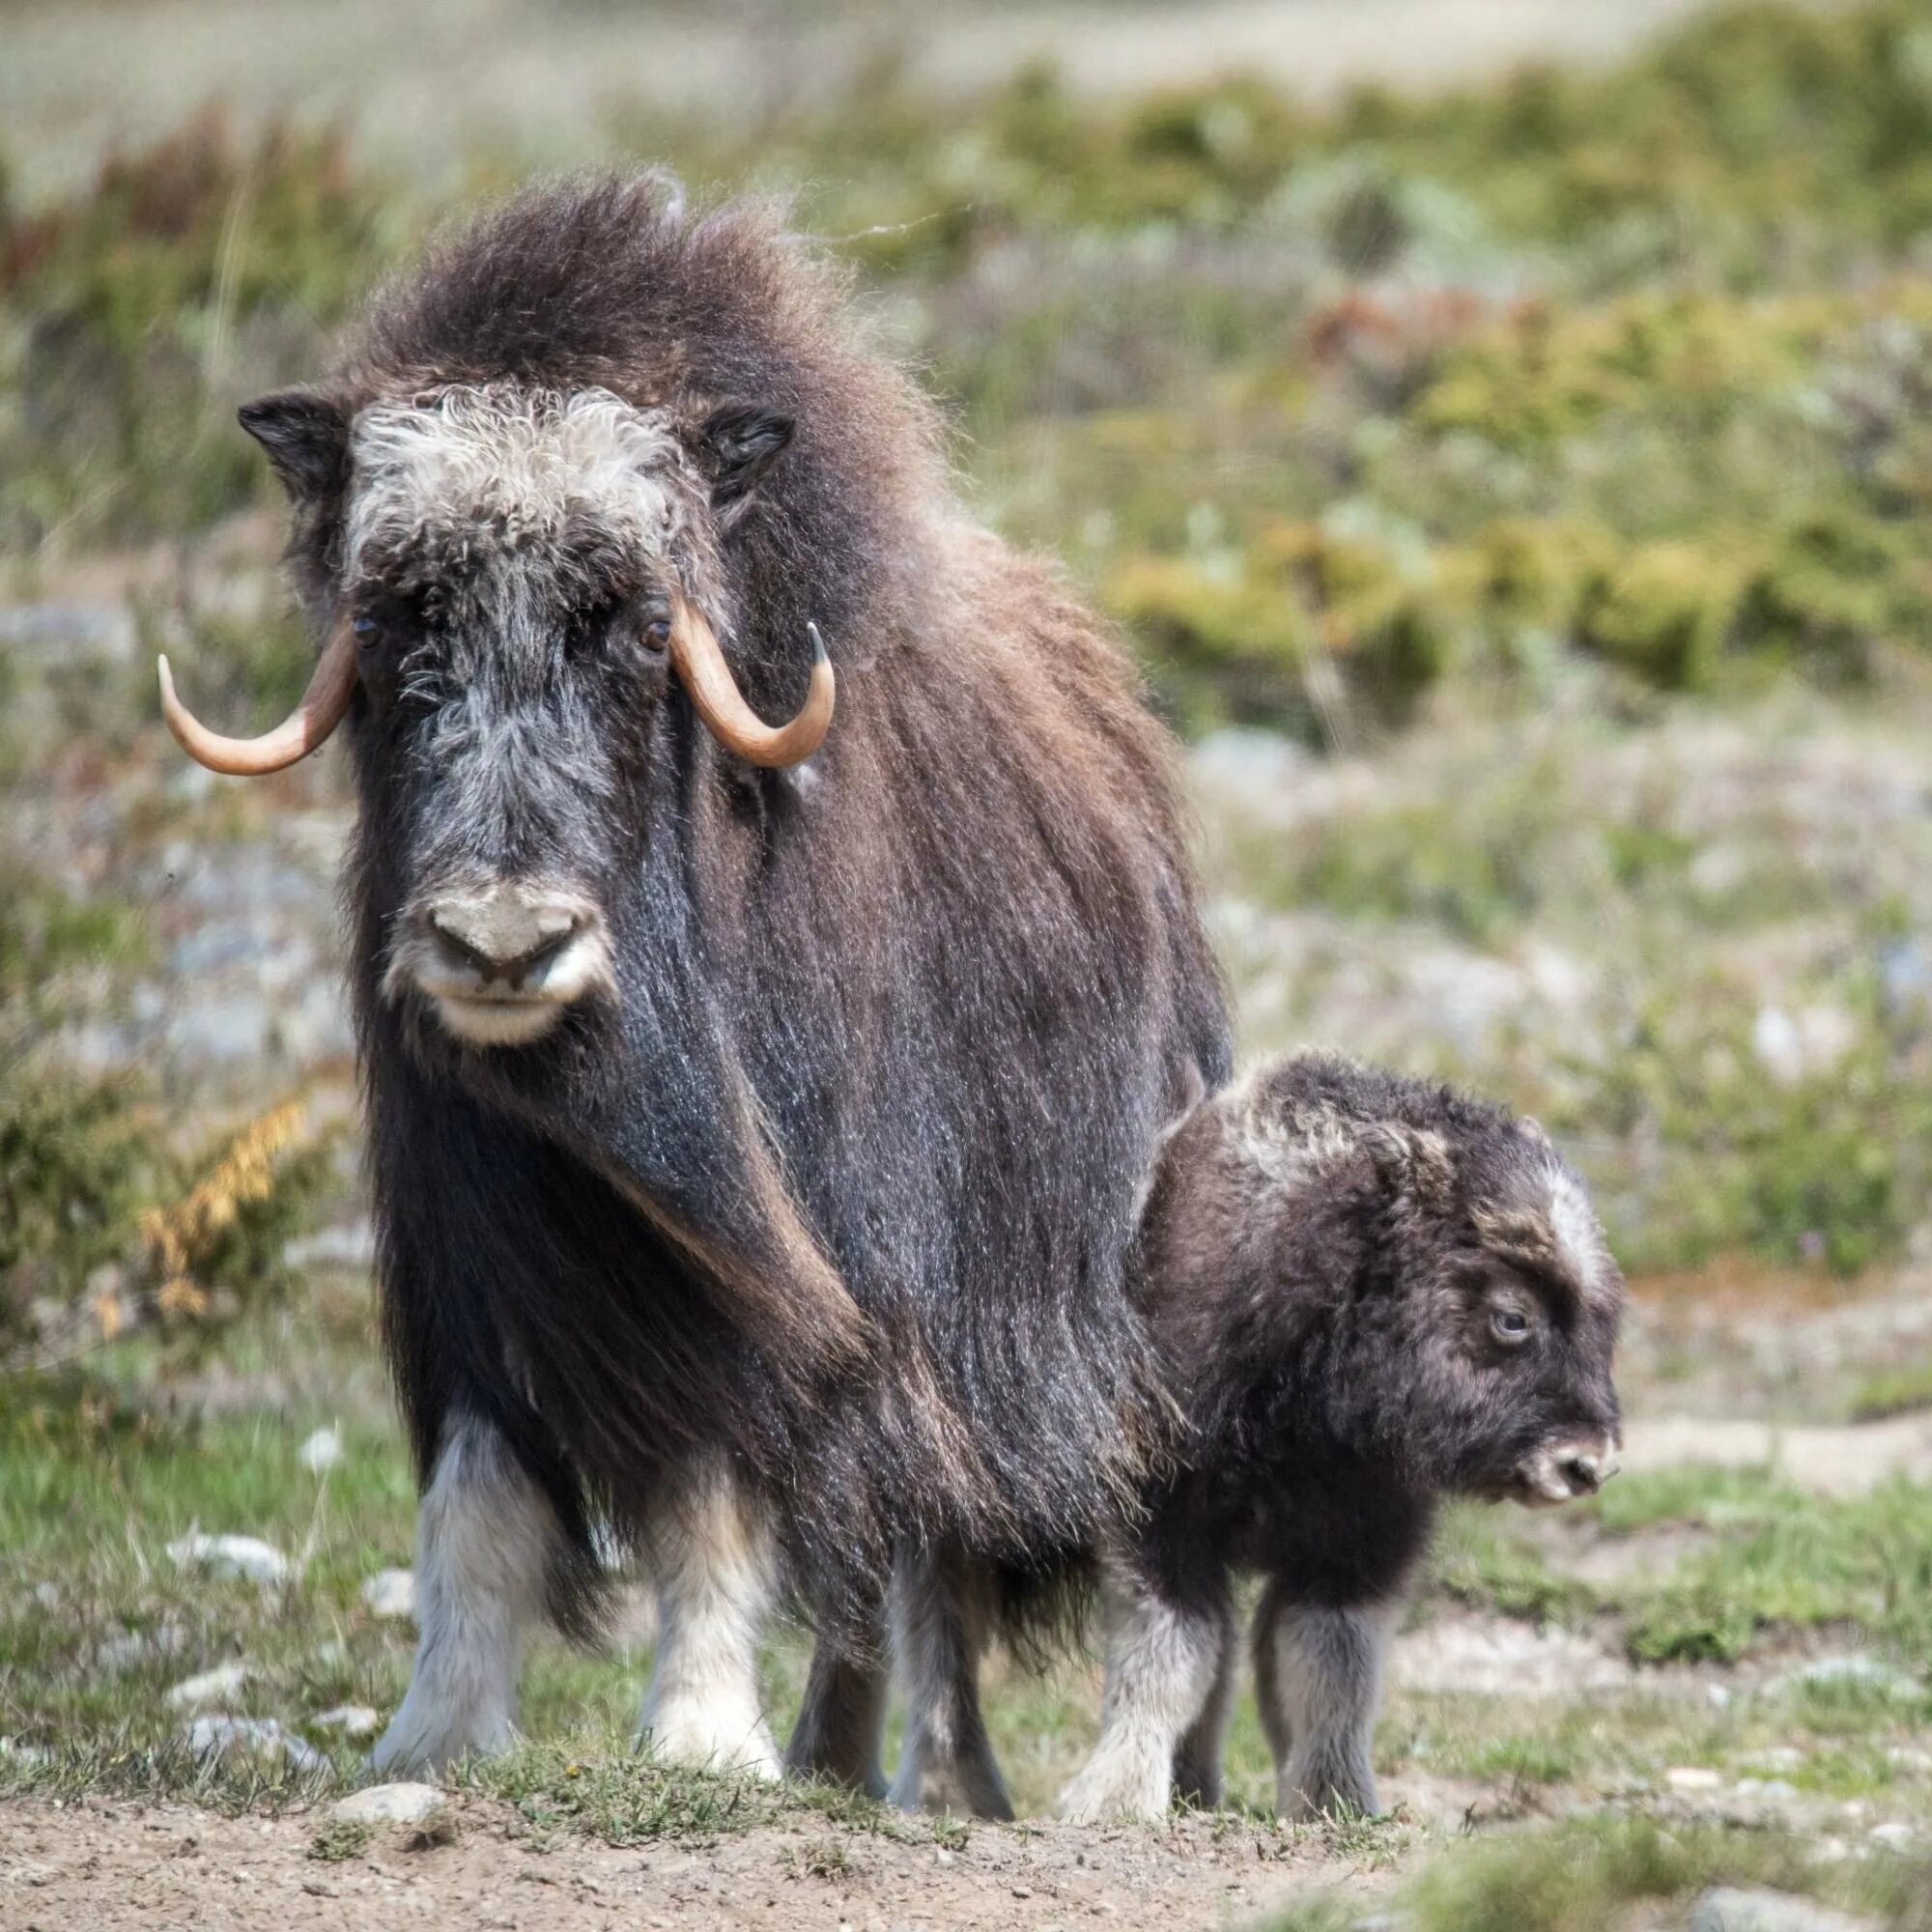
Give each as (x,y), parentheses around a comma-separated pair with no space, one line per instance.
(352,1721)
(321,1452)
(1690,1778)
(402,1804)
(16,1752)
(1741,1909)
(211,1687)
(254,1737)
(47,1596)
(391,1594)
(132,1649)
(1852,1668)
(1894,1836)
(245,1557)
(1906,1758)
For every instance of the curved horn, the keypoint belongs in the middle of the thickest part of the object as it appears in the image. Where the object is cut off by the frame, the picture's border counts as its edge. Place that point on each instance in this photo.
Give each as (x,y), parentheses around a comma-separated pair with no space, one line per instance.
(319,713)
(699,661)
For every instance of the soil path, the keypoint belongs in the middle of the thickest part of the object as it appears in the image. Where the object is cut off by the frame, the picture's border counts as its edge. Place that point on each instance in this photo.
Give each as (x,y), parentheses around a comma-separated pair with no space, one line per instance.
(109,1867)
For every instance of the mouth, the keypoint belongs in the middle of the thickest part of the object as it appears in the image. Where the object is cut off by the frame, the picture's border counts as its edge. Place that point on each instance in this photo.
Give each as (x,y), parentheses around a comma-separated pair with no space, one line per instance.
(484,1020)
(1561,1472)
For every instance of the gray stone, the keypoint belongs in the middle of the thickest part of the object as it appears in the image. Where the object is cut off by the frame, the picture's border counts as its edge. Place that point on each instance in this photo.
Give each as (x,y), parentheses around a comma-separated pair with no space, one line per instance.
(391,1594)
(247,1559)
(1747,1908)
(217,1735)
(350,1720)
(402,1804)
(212,1686)
(321,1452)
(1852,1668)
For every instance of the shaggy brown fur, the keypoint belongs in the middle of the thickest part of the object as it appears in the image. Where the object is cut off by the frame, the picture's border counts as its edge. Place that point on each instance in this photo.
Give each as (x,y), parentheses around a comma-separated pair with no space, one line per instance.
(837,1184)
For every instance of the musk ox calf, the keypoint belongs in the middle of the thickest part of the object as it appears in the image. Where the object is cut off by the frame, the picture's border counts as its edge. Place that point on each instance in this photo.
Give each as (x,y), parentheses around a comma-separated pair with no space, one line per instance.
(761,1067)
(1370,1293)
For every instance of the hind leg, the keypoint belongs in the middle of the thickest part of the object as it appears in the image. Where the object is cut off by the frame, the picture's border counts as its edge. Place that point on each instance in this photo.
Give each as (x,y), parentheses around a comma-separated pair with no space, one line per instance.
(1165,1648)
(486,1537)
(1197,1759)
(942,1619)
(1318,1678)
(836,1736)
(711,1552)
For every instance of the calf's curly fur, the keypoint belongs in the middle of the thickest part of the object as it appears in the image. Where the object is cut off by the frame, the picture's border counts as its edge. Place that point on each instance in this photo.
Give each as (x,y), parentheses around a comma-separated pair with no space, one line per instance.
(1370,1292)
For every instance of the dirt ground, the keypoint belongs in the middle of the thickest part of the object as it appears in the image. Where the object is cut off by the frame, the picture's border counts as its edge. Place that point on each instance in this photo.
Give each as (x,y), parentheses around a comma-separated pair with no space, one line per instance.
(109,1867)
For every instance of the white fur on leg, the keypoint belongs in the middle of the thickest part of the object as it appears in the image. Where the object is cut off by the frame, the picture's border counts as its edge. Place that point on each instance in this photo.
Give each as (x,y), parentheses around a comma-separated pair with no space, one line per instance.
(712,1557)
(485,1539)
(941,1618)
(1318,1673)
(1161,1670)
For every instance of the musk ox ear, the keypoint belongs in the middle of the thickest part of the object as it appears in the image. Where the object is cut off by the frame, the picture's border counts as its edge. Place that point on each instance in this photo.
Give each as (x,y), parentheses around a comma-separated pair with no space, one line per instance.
(738,444)
(306,434)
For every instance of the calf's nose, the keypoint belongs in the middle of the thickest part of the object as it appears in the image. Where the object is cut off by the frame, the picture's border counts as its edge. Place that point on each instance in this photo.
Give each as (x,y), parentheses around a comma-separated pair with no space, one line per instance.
(1587,1470)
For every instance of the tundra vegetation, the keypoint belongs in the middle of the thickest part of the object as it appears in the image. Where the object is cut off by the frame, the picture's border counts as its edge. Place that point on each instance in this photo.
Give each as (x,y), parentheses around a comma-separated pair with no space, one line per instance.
(1518,495)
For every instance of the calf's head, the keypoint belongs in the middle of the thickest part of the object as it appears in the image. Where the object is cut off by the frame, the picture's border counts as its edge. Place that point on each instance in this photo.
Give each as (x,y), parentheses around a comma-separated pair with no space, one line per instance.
(1415,1276)
(510,579)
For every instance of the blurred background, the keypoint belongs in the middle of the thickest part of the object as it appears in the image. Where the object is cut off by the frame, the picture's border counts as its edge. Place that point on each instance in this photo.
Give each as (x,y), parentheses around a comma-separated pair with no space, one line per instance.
(1501,430)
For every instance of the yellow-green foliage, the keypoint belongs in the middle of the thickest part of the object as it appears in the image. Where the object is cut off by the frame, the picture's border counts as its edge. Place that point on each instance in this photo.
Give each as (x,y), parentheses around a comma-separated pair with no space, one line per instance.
(134,318)
(1647,380)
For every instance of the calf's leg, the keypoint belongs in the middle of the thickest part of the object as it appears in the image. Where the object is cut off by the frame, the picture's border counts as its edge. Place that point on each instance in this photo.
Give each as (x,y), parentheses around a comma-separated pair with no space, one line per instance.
(486,1537)
(943,1615)
(711,1553)
(1317,1680)
(1164,1667)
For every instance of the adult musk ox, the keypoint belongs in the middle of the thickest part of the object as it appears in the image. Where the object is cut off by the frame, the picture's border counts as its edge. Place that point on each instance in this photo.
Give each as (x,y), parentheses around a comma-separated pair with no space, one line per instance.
(755,1109)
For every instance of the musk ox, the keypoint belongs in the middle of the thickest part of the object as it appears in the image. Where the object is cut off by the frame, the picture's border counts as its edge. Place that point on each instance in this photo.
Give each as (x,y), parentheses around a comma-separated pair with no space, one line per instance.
(755,1109)
(1368,1293)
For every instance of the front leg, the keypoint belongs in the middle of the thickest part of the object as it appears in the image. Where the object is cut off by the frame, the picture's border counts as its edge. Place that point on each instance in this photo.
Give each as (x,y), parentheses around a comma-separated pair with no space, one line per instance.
(1317,1679)
(487,1536)
(836,1736)
(710,1550)
(1165,1652)
(942,1617)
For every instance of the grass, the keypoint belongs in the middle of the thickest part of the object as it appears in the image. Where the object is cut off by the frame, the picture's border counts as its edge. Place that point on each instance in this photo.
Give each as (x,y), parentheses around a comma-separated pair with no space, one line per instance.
(97,1626)
(1589,1874)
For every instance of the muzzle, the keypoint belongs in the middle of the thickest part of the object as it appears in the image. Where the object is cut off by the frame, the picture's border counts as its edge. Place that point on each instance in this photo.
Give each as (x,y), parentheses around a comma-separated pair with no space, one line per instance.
(500,963)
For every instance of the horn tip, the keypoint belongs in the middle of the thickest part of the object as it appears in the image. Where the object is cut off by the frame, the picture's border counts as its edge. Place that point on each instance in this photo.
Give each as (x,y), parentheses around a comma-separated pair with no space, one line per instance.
(819,654)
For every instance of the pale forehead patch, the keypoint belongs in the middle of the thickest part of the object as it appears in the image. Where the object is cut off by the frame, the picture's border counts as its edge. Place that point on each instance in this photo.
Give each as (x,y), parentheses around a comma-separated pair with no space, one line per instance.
(1574,1224)
(515,460)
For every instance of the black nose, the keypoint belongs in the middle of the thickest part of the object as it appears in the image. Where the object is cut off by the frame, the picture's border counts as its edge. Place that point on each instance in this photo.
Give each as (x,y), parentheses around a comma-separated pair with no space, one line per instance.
(1583,1472)
(488,966)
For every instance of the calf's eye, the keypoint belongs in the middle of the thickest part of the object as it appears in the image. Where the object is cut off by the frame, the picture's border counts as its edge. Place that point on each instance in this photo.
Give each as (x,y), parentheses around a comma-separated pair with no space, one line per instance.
(1510,1326)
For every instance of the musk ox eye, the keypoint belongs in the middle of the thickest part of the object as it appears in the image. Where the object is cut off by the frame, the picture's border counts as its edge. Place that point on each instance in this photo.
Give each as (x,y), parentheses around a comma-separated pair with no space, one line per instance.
(657,634)
(1510,1326)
